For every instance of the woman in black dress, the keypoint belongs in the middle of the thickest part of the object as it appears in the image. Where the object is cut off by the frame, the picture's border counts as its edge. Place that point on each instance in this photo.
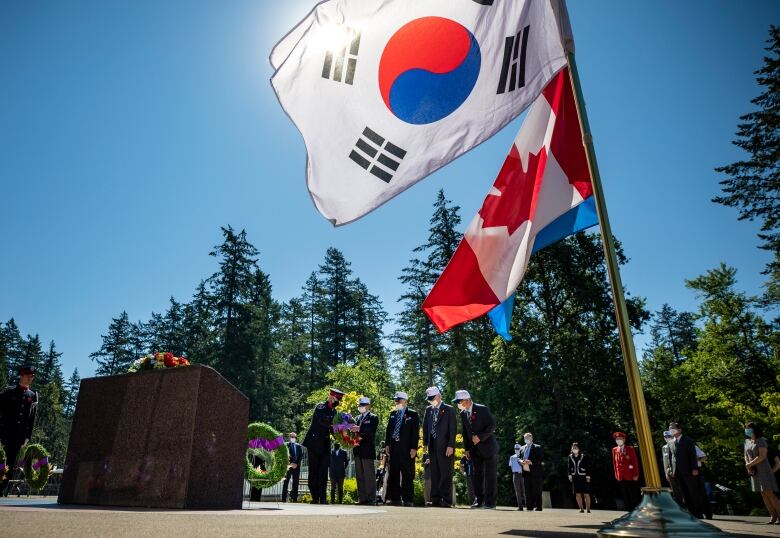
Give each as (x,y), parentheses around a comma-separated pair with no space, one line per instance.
(579,476)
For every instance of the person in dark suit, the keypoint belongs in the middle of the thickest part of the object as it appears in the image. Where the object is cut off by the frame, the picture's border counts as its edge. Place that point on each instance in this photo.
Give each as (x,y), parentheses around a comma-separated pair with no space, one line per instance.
(685,469)
(338,472)
(294,468)
(317,442)
(439,429)
(365,453)
(18,405)
(533,472)
(401,440)
(479,440)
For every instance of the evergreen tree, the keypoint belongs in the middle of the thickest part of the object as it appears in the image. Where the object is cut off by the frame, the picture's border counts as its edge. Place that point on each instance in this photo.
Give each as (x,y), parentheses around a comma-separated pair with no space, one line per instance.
(32,352)
(753,185)
(310,300)
(334,307)
(118,349)
(72,391)
(4,378)
(13,344)
(198,327)
(51,369)
(51,428)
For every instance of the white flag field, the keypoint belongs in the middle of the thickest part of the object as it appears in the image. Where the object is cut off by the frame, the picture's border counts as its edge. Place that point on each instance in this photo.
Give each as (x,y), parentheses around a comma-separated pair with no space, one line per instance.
(385,92)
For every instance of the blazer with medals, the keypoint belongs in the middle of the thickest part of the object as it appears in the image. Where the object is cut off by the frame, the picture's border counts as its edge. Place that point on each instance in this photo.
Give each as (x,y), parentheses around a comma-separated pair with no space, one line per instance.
(625,462)
(446,427)
(317,439)
(410,429)
(17,414)
(368,425)
(483,425)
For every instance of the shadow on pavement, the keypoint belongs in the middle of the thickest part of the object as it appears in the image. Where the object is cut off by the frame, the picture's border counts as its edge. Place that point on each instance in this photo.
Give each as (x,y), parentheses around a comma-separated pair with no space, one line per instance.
(546,534)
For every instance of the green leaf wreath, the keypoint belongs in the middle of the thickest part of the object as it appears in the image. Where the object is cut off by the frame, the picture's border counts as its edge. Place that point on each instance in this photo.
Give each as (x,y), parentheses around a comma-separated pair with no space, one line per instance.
(36,466)
(268,444)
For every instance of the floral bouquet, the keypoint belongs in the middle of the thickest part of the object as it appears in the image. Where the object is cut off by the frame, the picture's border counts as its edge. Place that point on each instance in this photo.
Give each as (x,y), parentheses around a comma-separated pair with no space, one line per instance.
(343,433)
(157,360)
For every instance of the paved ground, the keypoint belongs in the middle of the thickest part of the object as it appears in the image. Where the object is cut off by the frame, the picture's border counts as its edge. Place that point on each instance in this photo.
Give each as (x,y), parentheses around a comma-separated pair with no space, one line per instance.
(43,517)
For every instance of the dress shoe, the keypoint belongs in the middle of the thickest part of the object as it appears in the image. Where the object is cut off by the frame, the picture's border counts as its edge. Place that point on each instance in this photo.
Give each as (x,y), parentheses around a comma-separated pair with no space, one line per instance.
(444,505)
(408,504)
(519,508)
(489,507)
(476,505)
(538,509)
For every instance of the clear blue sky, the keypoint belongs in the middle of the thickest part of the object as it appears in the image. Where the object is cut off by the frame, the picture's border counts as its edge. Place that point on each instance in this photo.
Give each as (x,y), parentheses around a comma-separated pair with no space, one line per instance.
(131,131)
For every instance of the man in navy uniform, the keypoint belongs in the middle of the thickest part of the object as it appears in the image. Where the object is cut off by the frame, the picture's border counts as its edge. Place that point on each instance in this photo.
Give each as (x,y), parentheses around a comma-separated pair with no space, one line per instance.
(401,440)
(317,442)
(293,469)
(18,405)
(439,428)
(338,472)
(365,453)
(479,440)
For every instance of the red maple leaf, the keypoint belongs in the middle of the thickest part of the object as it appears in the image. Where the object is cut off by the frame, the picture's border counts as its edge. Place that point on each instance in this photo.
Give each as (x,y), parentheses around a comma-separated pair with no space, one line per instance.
(519,191)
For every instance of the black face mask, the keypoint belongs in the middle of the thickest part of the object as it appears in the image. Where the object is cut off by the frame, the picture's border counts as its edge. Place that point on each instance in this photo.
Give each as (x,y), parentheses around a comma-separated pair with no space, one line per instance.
(335,404)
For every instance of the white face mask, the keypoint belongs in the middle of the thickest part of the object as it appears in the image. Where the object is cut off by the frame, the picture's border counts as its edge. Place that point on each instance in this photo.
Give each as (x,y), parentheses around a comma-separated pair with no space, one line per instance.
(529,440)
(575,451)
(517,451)
(399,406)
(619,442)
(461,406)
(674,432)
(362,409)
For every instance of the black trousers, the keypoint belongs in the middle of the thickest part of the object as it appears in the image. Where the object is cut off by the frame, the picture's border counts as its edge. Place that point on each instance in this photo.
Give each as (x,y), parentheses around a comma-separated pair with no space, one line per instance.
(629,489)
(692,489)
(318,476)
(337,490)
(441,473)
(11,455)
(294,475)
(400,483)
(534,483)
(485,480)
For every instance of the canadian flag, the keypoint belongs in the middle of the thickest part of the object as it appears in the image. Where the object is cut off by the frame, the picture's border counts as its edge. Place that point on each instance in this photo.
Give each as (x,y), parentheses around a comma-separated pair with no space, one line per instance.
(543,178)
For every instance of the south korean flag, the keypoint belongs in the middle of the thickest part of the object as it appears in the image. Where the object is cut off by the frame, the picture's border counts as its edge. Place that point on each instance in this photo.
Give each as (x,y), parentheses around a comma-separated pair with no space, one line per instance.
(385,92)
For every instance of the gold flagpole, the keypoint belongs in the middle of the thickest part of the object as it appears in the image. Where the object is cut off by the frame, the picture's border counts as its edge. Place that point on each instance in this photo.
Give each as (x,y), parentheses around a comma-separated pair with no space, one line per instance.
(658,514)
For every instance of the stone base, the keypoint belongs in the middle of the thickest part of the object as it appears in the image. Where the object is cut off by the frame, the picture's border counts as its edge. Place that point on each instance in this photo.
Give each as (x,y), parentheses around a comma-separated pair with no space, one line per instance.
(173,438)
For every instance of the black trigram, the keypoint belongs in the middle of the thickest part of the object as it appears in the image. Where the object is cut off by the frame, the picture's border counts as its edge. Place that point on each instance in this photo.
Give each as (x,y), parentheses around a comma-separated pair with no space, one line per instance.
(371,150)
(340,64)
(484,2)
(513,68)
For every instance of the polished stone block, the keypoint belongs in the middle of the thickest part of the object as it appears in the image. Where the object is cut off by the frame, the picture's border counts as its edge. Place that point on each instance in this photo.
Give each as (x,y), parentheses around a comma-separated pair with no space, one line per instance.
(173,438)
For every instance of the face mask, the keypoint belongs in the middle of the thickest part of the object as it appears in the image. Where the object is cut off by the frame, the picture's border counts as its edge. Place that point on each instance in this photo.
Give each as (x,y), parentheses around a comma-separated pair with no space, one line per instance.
(748,432)
(461,407)
(335,404)
(362,409)
(293,440)
(619,442)
(669,440)
(674,432)
(517,451)
(399,406)
(529,440)
(575,451)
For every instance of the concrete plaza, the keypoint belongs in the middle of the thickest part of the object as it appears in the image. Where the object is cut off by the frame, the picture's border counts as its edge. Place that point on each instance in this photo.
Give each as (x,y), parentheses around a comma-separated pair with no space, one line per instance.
(43,517)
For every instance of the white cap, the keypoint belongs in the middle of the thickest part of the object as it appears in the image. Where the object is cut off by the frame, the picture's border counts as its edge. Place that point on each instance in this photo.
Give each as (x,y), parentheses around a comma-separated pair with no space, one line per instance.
(461,395)
(518,445)
(401,395)
(364,400)
(430,392)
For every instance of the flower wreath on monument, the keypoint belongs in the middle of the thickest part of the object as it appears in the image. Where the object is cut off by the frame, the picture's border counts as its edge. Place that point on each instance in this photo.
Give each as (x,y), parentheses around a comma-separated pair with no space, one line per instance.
(36,466)
(268,444)
(158,360)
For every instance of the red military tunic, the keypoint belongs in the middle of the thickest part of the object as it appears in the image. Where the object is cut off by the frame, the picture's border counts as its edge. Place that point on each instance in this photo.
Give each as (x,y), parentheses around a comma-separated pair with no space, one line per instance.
(625,463)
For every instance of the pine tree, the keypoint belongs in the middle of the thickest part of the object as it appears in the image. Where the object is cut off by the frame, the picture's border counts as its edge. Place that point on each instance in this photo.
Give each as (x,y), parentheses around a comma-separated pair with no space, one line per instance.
(753,185)
(13,344)
(51,427)
(673,330)
(118,349)
(72,391)
(32,352)
(4,379)
(51,370)
(334,305)
(310,300)
(198,327)
(230,288)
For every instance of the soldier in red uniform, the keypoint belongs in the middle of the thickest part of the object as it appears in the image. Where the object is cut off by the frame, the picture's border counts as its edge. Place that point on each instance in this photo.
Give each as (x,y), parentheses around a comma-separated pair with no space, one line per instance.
(626,466)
